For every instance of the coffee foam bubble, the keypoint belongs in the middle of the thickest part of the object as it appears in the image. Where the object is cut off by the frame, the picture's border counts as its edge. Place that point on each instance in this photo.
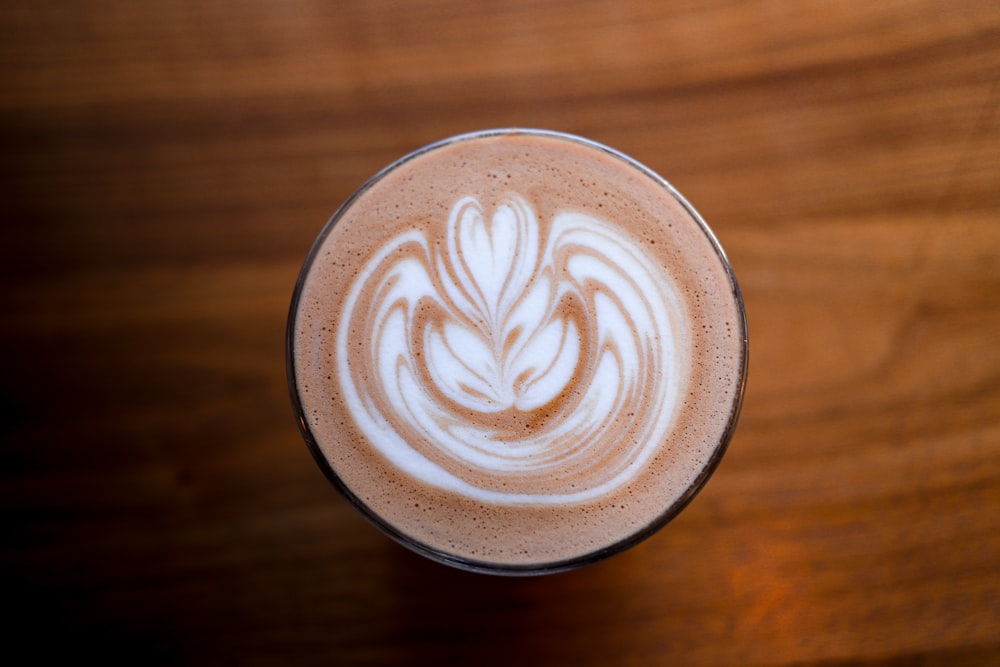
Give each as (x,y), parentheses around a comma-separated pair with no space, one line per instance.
(517,350)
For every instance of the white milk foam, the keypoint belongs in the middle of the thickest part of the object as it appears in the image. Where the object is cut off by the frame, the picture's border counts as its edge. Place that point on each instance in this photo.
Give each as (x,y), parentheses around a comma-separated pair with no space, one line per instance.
(562,322)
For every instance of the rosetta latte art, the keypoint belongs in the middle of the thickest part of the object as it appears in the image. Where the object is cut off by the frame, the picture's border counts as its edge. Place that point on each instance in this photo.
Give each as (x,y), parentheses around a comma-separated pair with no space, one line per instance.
(513,362)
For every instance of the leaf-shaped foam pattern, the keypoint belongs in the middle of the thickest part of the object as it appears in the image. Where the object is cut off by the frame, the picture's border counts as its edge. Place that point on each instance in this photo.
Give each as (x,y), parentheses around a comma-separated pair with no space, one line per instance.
(523,363)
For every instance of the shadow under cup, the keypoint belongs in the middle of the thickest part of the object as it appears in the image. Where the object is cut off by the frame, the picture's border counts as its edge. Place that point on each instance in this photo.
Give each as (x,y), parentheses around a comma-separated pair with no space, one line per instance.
(517,351)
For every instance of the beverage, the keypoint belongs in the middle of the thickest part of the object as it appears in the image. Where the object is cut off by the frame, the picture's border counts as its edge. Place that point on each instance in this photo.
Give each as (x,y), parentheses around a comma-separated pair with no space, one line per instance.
(517,351)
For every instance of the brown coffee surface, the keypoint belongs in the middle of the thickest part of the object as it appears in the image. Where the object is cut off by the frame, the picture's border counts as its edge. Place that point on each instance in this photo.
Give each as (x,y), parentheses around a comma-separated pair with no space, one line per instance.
(393,294)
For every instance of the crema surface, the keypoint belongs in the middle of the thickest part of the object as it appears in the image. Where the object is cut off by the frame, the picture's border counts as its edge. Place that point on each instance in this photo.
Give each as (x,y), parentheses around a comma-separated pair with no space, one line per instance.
(517,349)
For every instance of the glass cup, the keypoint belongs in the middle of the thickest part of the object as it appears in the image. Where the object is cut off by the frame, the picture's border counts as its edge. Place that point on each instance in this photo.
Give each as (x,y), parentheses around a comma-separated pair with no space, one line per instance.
(517,351)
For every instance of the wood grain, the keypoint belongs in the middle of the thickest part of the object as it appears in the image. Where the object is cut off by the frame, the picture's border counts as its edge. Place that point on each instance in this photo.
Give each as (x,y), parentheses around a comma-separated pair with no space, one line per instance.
(166,166)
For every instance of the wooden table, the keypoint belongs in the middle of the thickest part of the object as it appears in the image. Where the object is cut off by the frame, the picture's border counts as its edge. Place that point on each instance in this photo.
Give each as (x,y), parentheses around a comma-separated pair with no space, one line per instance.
(166,166)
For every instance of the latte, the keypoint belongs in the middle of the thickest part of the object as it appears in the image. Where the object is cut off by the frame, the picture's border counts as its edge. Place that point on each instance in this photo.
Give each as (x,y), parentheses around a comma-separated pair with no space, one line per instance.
(517,351)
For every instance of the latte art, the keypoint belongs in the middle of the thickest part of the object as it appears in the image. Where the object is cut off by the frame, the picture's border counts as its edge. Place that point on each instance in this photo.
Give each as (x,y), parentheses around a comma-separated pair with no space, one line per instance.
(517,351)
(519,361)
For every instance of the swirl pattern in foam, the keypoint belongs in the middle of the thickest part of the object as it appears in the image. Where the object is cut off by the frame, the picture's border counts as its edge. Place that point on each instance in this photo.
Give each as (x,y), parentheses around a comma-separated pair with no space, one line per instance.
(525,361)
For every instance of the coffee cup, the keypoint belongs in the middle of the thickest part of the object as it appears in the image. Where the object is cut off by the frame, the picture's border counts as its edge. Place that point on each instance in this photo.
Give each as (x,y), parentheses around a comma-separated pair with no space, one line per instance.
(517,351)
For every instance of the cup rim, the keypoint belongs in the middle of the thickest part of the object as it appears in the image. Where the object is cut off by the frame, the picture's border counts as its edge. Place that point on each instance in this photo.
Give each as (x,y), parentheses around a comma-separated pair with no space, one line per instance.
(484,566)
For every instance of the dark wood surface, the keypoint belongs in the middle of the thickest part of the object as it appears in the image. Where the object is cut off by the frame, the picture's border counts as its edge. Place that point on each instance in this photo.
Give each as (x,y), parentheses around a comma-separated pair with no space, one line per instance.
(165,167)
